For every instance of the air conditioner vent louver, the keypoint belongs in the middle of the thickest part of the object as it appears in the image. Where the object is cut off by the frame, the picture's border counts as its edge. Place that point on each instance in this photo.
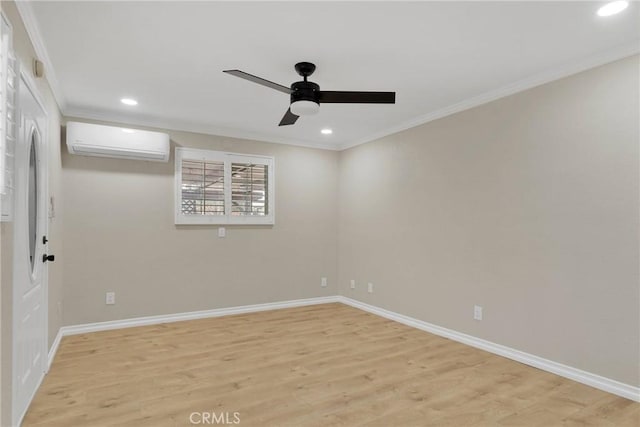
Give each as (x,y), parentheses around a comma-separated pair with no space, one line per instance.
(87,139)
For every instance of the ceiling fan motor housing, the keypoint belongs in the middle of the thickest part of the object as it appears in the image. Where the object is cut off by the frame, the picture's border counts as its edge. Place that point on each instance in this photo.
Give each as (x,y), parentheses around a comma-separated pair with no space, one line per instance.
(305,91)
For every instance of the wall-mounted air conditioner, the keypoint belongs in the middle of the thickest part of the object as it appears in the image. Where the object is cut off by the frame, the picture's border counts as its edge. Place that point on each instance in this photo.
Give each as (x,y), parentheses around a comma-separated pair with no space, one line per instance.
(88,139)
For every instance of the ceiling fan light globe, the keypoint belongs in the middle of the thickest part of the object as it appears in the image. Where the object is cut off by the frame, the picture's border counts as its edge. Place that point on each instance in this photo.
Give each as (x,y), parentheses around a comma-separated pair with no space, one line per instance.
(305,108)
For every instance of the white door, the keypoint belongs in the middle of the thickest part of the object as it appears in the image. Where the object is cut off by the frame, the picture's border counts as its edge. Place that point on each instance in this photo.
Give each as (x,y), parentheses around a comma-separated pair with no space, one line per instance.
(30,258)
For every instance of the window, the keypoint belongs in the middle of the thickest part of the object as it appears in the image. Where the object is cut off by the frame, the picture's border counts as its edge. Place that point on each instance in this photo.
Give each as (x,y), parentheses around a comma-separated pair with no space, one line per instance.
(214,187)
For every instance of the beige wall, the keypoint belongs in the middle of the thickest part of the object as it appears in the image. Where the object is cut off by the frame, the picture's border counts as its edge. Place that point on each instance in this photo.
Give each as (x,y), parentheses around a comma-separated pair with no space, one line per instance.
(25,53)
(527,206)
(120,236)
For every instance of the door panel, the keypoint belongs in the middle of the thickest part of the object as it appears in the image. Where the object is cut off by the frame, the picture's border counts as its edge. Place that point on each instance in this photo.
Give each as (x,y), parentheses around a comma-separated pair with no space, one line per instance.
(30,271)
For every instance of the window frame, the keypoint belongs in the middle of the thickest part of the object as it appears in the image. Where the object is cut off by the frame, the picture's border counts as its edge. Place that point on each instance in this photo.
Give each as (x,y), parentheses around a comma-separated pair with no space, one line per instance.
(195,154)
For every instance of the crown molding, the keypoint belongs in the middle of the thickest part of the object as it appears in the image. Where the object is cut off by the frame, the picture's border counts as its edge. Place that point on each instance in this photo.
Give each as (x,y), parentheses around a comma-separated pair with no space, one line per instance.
(33,31)
(178,125)
(565,70)
(547,76)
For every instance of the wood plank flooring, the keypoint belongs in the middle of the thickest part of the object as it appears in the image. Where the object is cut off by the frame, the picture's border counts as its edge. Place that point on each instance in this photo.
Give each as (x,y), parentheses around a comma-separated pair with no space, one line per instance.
(322,365)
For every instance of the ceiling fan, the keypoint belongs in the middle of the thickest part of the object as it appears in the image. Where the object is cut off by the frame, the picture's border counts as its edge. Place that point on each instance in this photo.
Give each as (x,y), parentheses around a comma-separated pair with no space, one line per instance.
(306,96)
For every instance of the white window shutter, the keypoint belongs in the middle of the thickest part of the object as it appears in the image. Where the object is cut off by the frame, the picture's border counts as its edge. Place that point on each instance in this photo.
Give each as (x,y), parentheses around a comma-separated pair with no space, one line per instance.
(8,127)
(213,187)
(249,189)
(202,189)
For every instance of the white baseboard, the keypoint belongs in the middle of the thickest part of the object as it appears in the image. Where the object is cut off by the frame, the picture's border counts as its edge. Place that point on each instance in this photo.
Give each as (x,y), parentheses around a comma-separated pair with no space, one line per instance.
(191,315)
(578,375)
(593,380)
(54,348)
(168,318)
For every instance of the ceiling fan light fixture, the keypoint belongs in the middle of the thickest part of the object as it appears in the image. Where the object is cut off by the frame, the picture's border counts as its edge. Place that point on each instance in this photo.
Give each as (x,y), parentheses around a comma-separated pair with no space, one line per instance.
(305,108)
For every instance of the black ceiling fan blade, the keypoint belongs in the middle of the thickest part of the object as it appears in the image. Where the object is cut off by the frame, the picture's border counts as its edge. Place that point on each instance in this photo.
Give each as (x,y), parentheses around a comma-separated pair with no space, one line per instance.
(347,97)
(258,80)
(288,119)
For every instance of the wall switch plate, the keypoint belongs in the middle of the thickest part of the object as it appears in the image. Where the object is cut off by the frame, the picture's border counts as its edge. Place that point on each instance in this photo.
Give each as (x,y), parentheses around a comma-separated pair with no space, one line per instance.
(477,312)
(323,282)
(353,284)
(222,232)
(110,298)
(370,287)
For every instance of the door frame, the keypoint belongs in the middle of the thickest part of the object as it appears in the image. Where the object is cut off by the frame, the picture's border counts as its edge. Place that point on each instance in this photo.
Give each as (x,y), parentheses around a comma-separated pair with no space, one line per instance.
(29,84)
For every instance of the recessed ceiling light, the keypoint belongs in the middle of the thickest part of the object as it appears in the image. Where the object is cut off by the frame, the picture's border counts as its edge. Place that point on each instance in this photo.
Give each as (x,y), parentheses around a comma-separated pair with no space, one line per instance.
(129,101)
(613,8)
(326,131)
(127,130)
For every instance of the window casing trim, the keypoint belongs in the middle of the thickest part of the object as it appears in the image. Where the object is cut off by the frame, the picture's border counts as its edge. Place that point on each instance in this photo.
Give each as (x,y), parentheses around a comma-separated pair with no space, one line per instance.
(182,153)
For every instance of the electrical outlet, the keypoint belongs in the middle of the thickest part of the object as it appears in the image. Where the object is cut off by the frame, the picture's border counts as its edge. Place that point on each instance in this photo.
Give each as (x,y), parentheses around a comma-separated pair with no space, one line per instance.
(353,284)
(323,282)
(222,232)
(477,312)
(370,287)
(110,298)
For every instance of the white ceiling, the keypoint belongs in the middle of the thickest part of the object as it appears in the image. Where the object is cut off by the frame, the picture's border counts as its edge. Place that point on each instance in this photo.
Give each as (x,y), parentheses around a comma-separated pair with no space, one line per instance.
(437,56)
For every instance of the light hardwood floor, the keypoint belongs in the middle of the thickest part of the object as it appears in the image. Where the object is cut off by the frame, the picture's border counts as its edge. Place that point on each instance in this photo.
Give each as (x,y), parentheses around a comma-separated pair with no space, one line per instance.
(323,365)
